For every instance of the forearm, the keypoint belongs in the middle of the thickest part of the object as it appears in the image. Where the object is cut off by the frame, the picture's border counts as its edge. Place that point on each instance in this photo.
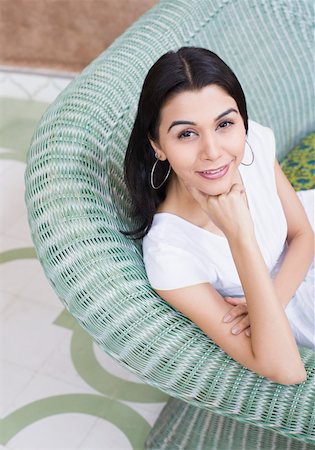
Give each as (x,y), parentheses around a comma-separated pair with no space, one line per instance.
(273,344)
(297,260)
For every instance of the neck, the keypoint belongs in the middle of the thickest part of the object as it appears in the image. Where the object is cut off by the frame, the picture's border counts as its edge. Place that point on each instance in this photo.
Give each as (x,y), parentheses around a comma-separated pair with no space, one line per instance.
(180,202)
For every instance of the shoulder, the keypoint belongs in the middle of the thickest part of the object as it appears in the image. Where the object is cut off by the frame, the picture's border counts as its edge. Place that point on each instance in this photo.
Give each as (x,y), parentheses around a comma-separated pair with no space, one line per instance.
(262,141)
(170,259)
(168,235)
(166,230)
(259,134)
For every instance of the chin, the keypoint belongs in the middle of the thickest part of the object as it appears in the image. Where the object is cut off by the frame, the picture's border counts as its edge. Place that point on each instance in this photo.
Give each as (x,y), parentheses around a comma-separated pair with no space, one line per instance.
(222,188)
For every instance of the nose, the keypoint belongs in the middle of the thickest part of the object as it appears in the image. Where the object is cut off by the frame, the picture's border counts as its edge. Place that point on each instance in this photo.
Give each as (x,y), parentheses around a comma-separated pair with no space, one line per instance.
(211,149)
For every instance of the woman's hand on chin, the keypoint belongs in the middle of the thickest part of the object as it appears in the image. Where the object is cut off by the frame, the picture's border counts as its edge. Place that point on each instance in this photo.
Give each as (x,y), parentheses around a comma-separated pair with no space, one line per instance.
(228,211)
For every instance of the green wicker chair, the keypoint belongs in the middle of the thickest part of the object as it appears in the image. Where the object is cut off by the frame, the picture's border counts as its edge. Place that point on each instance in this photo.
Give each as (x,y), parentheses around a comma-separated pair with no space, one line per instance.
(77,204)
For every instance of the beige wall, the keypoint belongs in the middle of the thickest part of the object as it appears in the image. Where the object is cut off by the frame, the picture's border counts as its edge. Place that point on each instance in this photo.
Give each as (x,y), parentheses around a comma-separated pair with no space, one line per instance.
(62,34)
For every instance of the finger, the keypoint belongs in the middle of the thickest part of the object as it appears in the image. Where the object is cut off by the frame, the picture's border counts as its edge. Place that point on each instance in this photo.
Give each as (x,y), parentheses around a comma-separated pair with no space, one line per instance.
(239,190)
(242,325)
(235,300)
(234,313)
(237,187)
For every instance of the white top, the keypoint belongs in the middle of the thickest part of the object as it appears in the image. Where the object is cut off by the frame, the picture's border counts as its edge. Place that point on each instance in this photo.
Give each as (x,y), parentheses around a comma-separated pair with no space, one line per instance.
(178,253)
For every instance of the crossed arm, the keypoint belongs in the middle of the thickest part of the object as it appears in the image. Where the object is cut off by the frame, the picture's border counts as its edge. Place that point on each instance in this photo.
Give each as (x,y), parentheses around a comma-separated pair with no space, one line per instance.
(270,350)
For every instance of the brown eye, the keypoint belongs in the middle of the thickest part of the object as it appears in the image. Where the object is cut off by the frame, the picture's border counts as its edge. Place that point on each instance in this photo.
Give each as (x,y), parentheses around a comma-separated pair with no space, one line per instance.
(225,124)
(185,134)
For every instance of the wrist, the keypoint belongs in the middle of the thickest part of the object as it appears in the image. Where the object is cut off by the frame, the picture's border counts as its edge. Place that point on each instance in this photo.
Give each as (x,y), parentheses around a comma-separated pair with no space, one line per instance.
(241,237)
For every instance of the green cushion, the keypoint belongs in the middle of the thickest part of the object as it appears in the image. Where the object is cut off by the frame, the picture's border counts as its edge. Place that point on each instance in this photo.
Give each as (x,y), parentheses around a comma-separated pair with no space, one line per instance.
(299,164)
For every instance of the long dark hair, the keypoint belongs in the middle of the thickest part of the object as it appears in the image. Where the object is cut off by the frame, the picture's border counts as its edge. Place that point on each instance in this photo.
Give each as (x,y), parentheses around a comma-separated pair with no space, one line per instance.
(190,68)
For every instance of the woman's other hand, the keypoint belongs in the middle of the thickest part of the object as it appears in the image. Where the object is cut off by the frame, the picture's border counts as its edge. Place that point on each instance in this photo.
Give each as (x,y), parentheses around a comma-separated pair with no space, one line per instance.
(240,312)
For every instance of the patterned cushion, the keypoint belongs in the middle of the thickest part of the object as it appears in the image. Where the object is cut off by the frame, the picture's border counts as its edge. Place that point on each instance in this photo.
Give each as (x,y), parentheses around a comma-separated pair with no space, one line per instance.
(299,164)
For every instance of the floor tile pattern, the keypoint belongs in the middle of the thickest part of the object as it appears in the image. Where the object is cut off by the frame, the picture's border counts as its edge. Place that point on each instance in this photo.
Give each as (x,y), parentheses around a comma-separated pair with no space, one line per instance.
(57,389)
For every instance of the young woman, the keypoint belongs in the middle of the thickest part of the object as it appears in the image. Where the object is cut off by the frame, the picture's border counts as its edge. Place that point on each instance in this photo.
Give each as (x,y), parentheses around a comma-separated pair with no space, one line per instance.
(226,239)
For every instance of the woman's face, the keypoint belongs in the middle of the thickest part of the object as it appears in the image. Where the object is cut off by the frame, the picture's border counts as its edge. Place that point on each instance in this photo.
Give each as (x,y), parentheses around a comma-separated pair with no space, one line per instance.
(202,135)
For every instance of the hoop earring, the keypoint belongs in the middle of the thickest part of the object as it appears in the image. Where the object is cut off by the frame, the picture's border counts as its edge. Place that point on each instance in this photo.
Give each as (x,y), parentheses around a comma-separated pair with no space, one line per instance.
(253,156)
(152,174)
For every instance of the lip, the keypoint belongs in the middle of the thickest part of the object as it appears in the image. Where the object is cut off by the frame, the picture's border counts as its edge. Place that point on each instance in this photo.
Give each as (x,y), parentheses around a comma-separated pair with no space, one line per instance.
(215,174)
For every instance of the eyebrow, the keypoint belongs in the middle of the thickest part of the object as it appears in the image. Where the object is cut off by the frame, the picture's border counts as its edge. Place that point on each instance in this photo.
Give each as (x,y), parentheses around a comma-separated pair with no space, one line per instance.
(187,122)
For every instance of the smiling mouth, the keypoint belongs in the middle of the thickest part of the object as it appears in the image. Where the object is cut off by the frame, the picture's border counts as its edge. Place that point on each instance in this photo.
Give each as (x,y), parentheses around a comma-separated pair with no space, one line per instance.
(216,173)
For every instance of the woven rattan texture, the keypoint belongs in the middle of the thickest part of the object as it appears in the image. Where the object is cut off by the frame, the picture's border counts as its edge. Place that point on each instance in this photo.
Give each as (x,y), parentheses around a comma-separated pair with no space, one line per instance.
(184,427)
(77,201)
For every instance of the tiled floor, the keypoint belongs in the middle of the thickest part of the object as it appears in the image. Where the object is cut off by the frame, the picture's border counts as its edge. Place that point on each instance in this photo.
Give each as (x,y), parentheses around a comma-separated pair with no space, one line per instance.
(48,398)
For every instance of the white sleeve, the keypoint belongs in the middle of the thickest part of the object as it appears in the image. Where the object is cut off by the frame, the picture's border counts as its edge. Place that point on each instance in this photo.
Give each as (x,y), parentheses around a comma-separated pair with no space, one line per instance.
(170,267)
